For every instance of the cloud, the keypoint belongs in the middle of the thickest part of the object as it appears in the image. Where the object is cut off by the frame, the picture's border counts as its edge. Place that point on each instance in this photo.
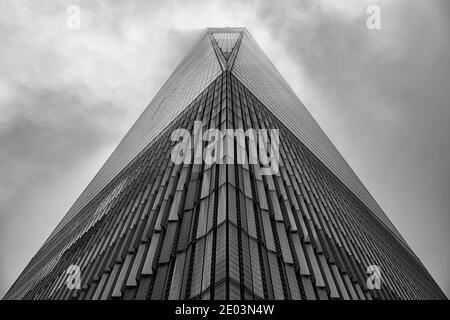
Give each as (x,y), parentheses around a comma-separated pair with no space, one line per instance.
(67,97)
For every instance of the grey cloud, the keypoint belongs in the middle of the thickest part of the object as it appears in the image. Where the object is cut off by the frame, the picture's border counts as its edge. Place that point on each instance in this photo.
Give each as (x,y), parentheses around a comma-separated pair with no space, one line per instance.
(44,140)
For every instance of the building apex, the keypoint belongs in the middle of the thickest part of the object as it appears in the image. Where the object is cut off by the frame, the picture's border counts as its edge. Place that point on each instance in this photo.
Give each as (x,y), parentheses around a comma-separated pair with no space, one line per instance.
(226,29)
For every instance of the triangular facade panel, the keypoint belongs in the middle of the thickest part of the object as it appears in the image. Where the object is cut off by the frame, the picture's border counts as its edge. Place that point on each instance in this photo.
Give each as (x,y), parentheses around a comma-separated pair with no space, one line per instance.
(226,42)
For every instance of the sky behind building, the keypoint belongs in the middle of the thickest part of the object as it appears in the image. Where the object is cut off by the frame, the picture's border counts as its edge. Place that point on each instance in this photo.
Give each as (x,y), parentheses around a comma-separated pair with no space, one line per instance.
(67,97)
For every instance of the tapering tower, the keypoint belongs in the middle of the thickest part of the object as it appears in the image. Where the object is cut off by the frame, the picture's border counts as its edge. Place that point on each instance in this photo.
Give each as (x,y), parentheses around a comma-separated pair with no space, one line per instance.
(149,227)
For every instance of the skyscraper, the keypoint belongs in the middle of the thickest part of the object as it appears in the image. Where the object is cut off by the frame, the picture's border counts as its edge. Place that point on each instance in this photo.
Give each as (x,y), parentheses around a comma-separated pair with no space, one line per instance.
(148,227)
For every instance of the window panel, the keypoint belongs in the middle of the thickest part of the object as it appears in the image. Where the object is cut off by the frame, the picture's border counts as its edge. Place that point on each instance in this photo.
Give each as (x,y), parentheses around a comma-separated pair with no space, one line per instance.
(222,206)
(315,267)
(147,269)
(275,275)
(197,271)
(256,268)
(120,280)
(284,244)
(233,253)
(169,237)
(292,282)
(177,276)
(331,284)
(134,270)
(206,279)
(268,235)
(220,254)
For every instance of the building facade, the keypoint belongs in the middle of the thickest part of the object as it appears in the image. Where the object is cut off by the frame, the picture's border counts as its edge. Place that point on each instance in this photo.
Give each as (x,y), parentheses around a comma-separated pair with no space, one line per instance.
(148,227)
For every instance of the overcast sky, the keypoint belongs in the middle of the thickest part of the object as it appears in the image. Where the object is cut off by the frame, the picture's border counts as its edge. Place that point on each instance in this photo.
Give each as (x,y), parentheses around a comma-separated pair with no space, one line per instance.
(67,97)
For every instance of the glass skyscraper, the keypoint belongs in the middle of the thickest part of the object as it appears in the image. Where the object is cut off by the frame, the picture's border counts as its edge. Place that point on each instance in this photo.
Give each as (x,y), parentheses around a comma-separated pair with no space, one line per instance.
(149,228)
